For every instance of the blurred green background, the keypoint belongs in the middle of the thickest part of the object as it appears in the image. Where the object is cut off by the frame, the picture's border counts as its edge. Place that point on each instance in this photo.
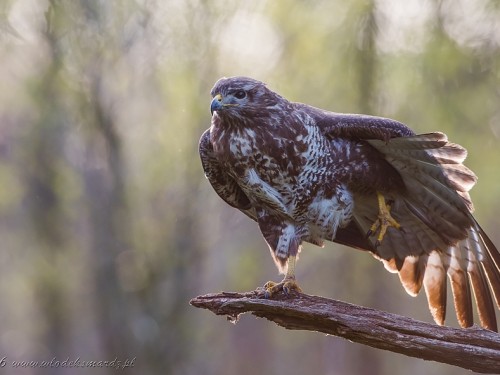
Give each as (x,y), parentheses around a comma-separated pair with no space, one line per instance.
(107,225)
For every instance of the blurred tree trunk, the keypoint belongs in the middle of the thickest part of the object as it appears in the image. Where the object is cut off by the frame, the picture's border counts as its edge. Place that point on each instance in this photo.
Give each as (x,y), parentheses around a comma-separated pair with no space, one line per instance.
(366,58)
(43,155)
(366,65)
(109,222)
(103,173)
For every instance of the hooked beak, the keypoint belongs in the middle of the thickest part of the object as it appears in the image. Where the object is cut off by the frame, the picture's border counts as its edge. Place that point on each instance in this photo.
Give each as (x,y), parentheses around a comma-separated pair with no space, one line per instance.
(216,103)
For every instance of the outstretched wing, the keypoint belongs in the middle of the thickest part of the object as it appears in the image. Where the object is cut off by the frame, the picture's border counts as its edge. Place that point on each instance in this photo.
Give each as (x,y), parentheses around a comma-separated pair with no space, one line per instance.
(223,184)
(440,235)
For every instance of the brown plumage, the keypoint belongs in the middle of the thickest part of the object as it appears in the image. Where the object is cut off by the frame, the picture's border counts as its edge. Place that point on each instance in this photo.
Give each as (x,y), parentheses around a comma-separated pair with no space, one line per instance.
(305,174)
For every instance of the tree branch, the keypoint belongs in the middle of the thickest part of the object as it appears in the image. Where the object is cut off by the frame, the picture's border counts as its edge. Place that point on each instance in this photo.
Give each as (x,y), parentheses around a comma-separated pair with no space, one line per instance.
(474,348)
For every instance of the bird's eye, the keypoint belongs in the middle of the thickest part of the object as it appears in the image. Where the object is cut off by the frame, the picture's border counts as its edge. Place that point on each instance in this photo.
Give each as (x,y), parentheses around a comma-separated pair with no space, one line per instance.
(240,94)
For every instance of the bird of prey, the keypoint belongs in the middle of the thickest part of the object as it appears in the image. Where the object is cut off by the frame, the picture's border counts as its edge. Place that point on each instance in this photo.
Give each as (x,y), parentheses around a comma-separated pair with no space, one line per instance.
(309,175)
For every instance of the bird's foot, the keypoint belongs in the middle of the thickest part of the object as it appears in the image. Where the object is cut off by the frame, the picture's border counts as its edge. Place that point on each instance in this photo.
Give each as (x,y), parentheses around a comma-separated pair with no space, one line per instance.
(384,221)
(286,285)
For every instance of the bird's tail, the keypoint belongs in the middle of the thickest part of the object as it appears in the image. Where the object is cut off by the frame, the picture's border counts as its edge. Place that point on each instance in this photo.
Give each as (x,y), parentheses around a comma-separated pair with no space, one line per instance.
(441,237)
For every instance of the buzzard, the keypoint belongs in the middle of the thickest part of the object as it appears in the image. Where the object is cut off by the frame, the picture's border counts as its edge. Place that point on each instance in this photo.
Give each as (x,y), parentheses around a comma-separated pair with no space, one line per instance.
(308,175)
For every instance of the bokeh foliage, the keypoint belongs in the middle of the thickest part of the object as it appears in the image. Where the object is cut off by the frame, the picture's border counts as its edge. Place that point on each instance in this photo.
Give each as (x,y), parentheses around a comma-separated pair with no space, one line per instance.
(107,224)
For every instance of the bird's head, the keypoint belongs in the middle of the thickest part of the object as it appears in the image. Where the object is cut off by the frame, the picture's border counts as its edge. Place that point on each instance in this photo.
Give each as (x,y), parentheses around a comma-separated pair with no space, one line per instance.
(242,98)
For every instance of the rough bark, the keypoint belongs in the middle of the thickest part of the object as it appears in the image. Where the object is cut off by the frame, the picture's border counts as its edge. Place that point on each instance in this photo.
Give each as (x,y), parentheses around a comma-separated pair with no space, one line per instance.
(473,348)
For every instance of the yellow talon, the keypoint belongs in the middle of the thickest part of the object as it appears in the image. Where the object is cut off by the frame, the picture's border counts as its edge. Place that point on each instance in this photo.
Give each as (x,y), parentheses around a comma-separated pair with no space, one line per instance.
(286,285)
(384,221)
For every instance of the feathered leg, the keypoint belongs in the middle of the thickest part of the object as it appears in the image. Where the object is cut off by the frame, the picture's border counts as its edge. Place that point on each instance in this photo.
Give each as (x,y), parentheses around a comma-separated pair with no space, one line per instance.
(284,240)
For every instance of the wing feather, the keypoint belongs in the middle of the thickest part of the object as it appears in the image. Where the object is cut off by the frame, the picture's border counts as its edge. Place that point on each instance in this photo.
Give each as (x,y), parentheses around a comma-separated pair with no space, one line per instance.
(411,274)
(435,287)
(481,293)
(457,274)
